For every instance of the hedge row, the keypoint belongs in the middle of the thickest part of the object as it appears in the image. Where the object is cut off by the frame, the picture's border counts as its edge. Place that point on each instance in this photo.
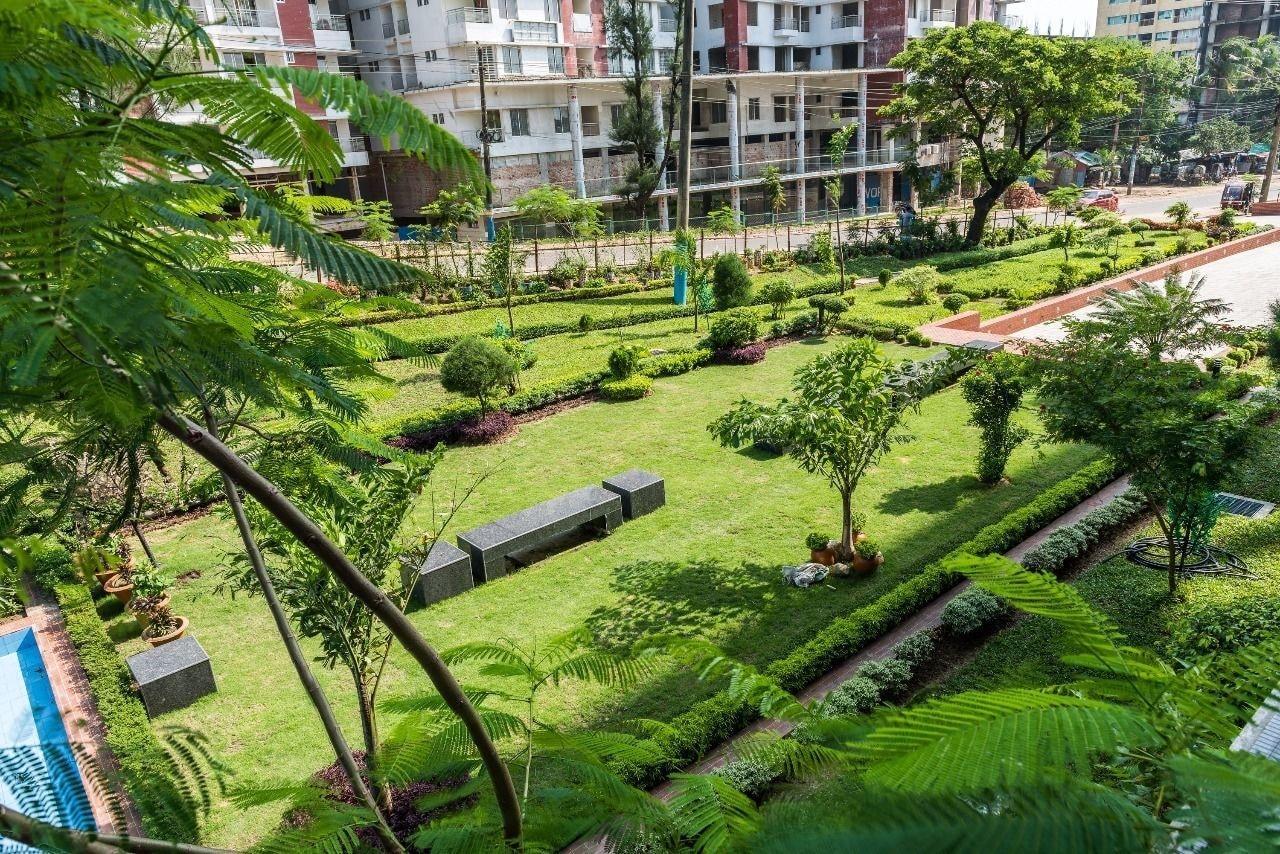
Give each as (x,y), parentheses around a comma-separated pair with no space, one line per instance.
(716,719)
(579,293)
(145,766)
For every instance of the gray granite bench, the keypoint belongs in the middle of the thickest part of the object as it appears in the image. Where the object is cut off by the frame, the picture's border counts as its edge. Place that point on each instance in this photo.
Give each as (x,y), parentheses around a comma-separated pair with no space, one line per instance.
(491,544)
(641,492)
(172,676)
(446,573)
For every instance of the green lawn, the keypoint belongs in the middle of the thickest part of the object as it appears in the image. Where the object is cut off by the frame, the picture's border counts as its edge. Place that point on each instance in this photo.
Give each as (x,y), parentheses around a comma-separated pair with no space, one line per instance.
(705,565)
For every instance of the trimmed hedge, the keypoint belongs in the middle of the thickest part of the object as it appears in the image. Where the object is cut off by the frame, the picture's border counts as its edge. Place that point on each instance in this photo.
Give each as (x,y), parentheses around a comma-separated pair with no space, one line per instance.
(712,721)
(632,388)
(145,766)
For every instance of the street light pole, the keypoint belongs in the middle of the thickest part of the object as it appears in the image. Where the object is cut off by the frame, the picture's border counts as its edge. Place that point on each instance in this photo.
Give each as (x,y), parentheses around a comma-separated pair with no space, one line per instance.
(485,135)
(686,117)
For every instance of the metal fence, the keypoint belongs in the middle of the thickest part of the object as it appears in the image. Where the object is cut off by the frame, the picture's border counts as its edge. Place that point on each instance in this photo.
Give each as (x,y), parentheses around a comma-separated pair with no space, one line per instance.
(643,243)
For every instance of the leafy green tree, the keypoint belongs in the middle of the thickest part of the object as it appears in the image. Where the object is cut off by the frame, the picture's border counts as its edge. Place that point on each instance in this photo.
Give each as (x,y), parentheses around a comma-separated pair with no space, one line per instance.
(554,206)
(846,414)
(1252,69)
(1163,81)
(120,304)
(503,266)
(379,225)
(1158,320)
(1066,237)
(1007,93)
(723,220)
(837,148)
(730,281)
(454,208)
(920,282)
(636,130)
(779,295)
(1105,384)
(775,196)
(1221,134)
(993,390)
(477,367)
(1109,160)
(1063,198)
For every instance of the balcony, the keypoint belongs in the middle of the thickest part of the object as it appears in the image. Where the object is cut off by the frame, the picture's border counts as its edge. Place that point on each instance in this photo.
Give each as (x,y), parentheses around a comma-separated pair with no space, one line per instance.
(246,19)
(933,19)
(790,25)
(331,23)
(332,32)
(469,25)
(666,25)
(388,30)
(845,22)
(590,128)
(535,31)
(402,26)
(582,22)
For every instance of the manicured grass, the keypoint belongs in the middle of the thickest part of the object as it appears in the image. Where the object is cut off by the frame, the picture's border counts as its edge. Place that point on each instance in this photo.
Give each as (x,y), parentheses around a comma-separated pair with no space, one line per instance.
(706,565)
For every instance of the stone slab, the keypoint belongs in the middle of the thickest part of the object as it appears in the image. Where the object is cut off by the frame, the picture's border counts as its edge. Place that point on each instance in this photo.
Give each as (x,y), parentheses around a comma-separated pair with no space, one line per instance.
(172,676)
(641,491)
(446,573)
(490,544)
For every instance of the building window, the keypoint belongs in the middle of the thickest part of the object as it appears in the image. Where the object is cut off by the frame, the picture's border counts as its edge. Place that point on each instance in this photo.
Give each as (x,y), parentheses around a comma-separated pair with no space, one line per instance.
(507,9)
(519,122)
(715,16)
(493,120)
(615,115)
(560,118)
(697,60)
(555,60)
(753,14)
(783,108)
(551,10)
(374,66)
(1165,15)
(719,113)
(1163,36)
(753,109)
(511,61)
(1116,20)
(365,14)
(716,60)
(423,2)
(753,58)
(438,118)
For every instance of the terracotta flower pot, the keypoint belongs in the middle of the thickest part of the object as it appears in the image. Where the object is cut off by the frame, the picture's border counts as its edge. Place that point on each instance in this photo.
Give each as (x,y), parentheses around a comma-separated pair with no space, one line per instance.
(826,557)
(122,590)
(172,636)
(864,565)
(143,616)
(105,576)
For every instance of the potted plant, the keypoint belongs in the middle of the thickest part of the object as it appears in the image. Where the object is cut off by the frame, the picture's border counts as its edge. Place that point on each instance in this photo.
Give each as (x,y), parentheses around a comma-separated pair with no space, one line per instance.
(165,626)
(120,585)
(103,563)
(866,556)
(820,550)
(149,593)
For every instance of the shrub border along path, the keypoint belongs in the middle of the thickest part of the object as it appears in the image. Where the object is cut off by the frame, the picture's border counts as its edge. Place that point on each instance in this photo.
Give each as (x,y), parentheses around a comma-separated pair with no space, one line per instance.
(1090,488)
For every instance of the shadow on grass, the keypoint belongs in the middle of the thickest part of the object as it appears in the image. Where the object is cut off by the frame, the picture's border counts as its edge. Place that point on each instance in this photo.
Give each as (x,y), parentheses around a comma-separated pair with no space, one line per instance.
(123,631)
(109,608)
(928,497)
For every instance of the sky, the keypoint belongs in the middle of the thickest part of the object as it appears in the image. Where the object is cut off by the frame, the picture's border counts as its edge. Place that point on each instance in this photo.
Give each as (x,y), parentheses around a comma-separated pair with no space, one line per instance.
(1043,15)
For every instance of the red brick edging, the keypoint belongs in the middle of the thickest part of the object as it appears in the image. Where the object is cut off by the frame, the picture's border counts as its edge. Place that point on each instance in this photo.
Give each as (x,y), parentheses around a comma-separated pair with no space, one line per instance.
(968,326)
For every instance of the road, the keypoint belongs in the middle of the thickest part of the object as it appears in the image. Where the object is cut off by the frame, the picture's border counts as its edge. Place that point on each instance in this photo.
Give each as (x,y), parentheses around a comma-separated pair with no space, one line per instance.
(1152,201)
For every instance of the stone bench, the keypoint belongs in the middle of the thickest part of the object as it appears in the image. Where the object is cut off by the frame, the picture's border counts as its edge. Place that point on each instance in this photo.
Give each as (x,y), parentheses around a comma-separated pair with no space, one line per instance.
(641,492)
(491,544)
(172,676)
(446,573)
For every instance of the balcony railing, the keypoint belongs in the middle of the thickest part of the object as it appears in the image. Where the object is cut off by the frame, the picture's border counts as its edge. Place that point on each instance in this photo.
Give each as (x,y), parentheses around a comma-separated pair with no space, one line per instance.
(402,26)
(938,16)
(590,128)
(842,22)
(791,23)
(388,29)
(354,144)
(334,23)
(243,18)
(535,31)
(468,15)
(666,25)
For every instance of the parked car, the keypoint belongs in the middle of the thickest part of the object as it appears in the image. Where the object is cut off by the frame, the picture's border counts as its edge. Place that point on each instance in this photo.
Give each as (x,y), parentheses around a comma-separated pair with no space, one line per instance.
(1100,198)
(1237,195)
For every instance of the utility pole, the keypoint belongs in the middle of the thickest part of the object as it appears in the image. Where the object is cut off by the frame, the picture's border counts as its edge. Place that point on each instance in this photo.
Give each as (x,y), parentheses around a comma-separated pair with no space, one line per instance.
(486,135)
(686,116)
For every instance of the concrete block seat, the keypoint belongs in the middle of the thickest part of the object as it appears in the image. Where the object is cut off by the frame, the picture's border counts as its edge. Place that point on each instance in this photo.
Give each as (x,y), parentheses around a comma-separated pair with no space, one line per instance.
(172,676)
(490,545)
(446,573)
(641,492)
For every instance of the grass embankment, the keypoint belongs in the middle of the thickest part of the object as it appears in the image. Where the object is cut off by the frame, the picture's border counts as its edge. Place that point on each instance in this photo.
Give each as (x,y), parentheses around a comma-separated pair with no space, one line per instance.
(705,565)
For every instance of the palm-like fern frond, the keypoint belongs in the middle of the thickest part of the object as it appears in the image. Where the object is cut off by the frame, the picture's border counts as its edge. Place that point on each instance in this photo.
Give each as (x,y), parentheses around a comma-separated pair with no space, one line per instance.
(1232,800)
(706,809)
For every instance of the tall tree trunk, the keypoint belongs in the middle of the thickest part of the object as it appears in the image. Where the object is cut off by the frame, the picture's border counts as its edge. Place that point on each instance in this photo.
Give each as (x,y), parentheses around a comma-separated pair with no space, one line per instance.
(982,205)
(846,525)
(19,827)
(1265,195)
(369,730)
(839,245)
(315,693)
(313,538)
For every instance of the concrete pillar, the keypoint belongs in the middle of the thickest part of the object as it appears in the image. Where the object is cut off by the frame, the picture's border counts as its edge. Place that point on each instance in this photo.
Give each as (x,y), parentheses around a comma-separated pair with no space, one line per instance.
(800,148)
(664,216)
(658,118)
(862,120)
(913,198)
(575,140)
(862,194)
(735,158)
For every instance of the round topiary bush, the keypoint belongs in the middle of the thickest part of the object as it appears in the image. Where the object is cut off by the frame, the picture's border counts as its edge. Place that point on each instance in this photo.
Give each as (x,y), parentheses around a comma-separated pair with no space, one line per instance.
(633,387)
(778,295)
(829,307)
(730,282)
(586,323)
(953,302)
(733,329)
(476,366)
(624,361)
(970,611)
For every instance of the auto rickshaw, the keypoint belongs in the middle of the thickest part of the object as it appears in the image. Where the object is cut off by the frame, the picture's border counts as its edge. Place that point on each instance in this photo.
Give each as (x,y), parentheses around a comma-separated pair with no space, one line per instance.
(1237,195)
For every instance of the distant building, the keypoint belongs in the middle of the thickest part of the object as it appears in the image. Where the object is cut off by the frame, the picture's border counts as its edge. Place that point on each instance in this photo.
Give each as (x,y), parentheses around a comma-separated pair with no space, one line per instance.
(1172,26)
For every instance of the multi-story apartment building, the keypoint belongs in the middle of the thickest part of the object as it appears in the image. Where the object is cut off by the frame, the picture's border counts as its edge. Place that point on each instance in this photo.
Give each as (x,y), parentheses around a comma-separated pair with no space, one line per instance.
(1164,25)
(773,81)
(305,33)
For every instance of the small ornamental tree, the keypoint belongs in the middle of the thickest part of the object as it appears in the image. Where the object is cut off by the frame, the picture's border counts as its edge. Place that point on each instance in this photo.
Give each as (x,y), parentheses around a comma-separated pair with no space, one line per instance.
(845,415)
(1160,320)
(1063,198)
(921,283)
(994,391)
(1180,213)
(775,196)
(731,283)
(454,208)
(779,295)
(475,367)
(1066,237)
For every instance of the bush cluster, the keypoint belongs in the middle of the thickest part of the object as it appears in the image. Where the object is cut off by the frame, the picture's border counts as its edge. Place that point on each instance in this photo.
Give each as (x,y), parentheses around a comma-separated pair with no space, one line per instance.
(734,328)
(1224,627)
(1071,541)
(730,282)
(624,361)
(748,354)
(751,777)
(676,362)
(632,388)
(972,610)
(880,681)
